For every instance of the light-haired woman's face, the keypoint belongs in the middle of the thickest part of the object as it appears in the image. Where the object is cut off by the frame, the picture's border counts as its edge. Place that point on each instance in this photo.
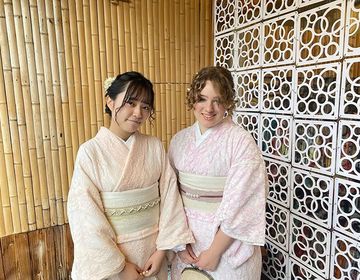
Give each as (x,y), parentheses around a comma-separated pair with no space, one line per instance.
(208,110)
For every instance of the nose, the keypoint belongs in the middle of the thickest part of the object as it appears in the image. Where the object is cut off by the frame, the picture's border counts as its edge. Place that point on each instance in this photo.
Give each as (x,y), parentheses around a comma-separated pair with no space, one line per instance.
(137,112)
(209,106)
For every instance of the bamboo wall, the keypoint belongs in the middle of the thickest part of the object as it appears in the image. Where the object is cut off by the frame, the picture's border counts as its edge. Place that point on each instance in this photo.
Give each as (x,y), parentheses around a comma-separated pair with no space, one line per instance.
(55,56)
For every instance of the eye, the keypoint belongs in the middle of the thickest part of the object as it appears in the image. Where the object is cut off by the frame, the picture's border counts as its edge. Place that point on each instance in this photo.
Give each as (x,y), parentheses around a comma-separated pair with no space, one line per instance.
(146,107)
(201,99)
(130,103)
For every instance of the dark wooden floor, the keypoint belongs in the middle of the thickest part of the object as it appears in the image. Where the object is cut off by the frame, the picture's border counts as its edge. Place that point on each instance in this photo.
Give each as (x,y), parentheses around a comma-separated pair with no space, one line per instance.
(45,254)
(41,254)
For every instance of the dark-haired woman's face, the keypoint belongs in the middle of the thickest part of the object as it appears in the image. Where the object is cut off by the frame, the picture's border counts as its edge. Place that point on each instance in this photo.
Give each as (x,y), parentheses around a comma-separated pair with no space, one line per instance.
(130,116)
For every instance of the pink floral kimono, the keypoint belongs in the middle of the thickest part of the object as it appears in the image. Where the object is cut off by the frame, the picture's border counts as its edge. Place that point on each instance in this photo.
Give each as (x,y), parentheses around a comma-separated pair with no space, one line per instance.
(223,184)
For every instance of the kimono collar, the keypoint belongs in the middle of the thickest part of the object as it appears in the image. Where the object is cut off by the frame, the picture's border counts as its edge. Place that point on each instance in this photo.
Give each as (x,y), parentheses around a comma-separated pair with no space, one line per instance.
(129,141)
(199,138)
(113,137)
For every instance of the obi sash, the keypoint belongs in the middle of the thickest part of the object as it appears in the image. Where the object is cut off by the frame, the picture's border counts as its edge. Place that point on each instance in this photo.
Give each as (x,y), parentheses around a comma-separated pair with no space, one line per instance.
(133,214)
(200,192)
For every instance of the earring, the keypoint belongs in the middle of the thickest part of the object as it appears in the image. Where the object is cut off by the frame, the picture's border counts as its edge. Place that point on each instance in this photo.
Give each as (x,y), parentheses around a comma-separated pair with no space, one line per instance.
(226,114)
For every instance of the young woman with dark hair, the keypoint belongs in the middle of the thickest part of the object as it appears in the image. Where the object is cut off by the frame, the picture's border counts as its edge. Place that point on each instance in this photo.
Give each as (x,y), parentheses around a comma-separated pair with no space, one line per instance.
(124,207)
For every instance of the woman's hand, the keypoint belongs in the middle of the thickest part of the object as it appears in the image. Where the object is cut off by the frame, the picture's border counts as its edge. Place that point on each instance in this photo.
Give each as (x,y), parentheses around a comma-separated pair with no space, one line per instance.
(208,260)
(187,256)
(153,264)
(131,272)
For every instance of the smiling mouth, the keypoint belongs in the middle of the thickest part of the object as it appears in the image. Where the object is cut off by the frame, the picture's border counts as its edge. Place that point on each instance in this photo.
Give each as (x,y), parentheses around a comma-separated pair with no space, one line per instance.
(134,121)
(208,117)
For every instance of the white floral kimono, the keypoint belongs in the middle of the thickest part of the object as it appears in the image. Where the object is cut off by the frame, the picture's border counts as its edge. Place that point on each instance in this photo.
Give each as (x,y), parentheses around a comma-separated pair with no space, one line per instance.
(123,204)
(231,167)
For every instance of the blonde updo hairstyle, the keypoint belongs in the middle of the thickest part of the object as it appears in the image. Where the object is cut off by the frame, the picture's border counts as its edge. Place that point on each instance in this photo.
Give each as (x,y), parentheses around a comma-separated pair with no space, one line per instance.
(222,81)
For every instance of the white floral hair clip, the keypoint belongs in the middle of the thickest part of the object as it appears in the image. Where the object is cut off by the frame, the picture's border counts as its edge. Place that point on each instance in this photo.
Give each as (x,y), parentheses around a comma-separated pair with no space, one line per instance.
(108,82)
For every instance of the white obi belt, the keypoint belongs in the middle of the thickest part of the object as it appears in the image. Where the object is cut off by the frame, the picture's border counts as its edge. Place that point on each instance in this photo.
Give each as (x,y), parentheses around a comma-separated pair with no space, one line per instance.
(200,192)
(133,214)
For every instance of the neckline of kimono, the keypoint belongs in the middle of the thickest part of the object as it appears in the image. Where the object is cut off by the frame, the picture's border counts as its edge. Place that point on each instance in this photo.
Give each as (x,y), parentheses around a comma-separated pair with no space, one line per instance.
(127,142)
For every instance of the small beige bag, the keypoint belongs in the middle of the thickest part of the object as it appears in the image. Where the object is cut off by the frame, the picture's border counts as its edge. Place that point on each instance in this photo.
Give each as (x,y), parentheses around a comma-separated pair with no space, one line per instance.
(193,273)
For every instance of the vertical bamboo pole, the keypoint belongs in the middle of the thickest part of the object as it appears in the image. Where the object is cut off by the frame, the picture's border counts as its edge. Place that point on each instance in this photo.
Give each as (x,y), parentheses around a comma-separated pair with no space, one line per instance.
(172,34)
(194,41)
(157,77)
(163,113)
(52,160)
(115,38)
(209,37)
(183,77)
(69,106)
(150,32)
(144,38)
(108,40)
(162,72)
(202,33)
(166,33)
(109,49)
(36,144)
(188,48)
(128,51)
(121,31)
(59,157)
(43,144)
(144,49)
(134,60)
(73,144)
(28,148)
(183,45)
(66,156)
(173,67)
(99,85)
(139,36)
(177,102)
(76,70)
(18,123)
(150,52)
(90,67)
(58,143)
(83,70)
(97,89)
(167,108)
(195,38)
(6,183)
(178,106)
(3,179)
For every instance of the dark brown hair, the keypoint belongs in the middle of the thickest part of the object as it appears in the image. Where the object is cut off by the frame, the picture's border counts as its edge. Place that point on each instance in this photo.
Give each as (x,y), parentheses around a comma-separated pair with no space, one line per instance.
(136,86)
(221,79)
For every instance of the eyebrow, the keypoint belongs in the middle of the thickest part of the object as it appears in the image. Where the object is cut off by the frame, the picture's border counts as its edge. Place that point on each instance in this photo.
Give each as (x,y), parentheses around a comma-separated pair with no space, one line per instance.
(204,96)
(137,99)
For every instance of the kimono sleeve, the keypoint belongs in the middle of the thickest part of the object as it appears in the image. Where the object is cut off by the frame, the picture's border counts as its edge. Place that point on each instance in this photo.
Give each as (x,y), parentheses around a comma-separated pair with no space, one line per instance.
(241,214)
(173,227)
(96,255)
(171,151)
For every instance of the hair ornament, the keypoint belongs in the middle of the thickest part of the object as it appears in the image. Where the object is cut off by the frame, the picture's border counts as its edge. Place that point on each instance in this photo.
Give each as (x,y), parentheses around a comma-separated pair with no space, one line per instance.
(108,82)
